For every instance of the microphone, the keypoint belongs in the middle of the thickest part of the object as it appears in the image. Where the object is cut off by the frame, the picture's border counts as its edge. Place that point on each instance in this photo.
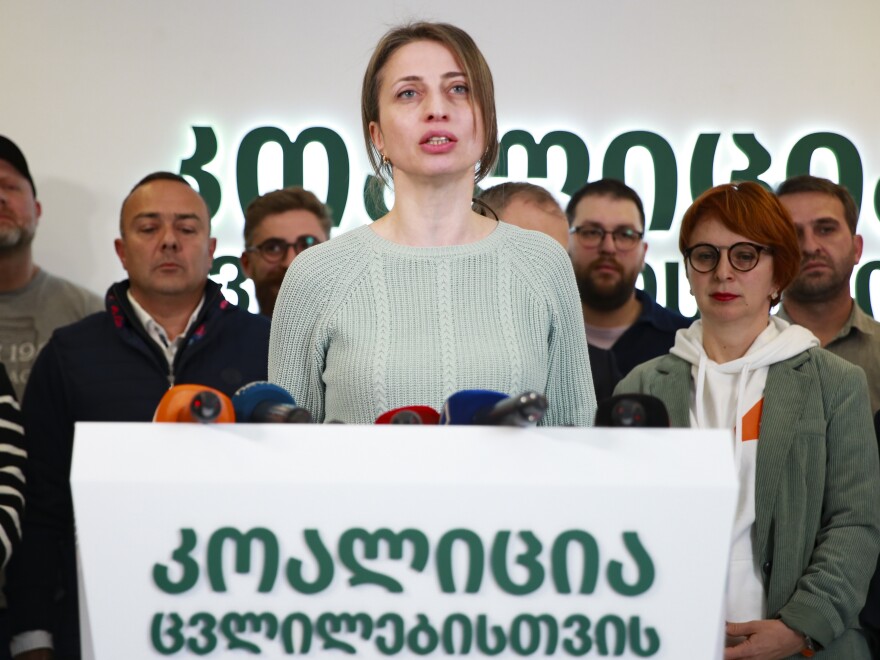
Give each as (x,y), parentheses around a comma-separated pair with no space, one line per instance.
(527,409)
(410,415)
(265,402)
(194,403)
(488,408)
(632,410)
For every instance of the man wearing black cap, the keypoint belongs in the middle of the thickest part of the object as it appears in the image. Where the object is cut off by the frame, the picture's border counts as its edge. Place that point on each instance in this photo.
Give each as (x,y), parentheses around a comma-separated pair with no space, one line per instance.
(32,302)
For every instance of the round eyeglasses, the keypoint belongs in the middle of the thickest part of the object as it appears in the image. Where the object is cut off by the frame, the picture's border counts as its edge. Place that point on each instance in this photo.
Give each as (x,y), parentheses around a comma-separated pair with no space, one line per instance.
(275,249)
(743,257)
(591,236)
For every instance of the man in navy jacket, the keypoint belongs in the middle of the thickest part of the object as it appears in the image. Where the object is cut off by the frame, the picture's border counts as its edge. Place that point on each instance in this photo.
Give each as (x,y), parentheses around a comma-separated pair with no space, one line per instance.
(607,249)
(166,324)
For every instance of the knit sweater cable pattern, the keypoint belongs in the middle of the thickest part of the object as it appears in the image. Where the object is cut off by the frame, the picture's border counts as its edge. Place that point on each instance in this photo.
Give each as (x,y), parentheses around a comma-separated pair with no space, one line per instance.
(364,325)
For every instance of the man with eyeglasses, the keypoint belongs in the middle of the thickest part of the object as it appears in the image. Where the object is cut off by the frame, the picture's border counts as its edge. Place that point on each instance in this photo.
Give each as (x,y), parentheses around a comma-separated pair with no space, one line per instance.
(166,324)
(607,225)
(277,227)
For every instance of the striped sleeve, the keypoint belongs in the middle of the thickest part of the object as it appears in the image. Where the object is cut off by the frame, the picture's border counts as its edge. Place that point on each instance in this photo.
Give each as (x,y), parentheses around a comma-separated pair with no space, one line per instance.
(12,466)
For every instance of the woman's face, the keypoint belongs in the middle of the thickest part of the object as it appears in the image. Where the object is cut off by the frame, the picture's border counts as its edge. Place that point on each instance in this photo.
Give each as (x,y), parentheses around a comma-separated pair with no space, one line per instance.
(427,125)
(728,295)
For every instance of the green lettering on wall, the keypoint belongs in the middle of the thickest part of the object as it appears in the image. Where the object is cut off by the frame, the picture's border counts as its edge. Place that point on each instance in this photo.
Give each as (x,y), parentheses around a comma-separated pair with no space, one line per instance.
(206,151)
(759,159)
(863,286)
(649,282)
(849,163)
(665,172)
(576,156)
(703,163)
(337,163)
(877,200)
(234,285)
(672,286)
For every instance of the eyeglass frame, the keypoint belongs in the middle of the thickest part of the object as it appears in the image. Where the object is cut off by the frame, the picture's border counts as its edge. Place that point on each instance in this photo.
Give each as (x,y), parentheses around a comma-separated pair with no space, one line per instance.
(718,248)
(258,249)
(615,235)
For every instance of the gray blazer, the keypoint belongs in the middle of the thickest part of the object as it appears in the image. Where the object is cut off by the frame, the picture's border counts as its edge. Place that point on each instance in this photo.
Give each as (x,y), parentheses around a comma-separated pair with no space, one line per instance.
(817,489)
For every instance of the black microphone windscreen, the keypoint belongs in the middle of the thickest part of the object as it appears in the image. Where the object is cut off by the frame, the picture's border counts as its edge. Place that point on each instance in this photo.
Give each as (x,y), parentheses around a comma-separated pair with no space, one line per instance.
(406,417)
(632,410)
(526,409)
(205,406)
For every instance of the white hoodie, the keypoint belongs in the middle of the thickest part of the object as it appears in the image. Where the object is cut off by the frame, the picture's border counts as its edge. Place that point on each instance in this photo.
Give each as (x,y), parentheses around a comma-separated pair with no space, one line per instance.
(731,396)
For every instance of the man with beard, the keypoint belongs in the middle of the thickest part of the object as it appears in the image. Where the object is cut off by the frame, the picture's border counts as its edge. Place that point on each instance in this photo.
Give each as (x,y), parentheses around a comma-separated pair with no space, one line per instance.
(32,302)
(819,299)
(277,227)
(607,223)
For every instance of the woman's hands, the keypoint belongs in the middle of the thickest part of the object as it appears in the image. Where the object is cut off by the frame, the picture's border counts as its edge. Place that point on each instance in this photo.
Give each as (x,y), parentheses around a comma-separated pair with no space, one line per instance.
(767,639)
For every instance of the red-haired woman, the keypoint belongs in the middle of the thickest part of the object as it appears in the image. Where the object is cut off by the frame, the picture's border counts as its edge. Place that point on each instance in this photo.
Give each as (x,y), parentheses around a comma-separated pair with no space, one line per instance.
(807,527)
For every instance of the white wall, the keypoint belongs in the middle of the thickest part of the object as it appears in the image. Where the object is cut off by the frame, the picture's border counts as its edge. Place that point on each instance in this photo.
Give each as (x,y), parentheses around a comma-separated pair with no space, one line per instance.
(98,94)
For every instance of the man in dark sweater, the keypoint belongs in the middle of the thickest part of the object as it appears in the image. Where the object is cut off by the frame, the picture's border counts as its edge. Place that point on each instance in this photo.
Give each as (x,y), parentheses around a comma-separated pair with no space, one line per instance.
(166,324)
(607,250)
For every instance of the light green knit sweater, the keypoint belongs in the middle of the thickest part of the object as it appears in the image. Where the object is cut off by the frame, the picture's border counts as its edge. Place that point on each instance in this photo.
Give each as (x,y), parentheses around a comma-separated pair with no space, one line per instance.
(363,325)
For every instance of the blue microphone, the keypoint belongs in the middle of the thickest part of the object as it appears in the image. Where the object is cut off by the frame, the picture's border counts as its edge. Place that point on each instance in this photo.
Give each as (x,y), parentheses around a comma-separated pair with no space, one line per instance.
(488,408)
(264,402)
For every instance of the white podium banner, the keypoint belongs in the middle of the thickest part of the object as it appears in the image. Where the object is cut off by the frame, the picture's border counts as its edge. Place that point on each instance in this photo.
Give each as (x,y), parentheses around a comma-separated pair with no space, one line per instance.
(232,540)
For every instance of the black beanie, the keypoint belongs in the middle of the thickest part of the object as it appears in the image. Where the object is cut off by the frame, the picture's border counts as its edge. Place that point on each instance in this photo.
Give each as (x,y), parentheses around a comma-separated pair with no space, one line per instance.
(12,154)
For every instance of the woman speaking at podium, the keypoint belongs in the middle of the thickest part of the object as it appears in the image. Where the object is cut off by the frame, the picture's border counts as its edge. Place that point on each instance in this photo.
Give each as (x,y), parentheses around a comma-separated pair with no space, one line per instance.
(432,298)
(807,526)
